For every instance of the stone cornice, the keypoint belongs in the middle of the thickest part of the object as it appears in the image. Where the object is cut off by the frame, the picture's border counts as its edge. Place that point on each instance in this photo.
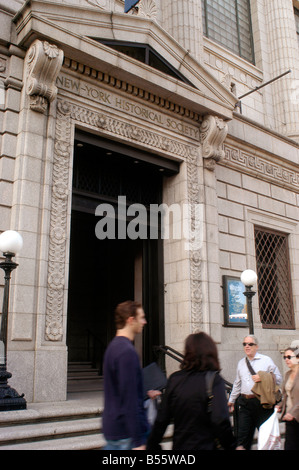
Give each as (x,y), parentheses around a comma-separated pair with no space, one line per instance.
(107,79)
(72,33)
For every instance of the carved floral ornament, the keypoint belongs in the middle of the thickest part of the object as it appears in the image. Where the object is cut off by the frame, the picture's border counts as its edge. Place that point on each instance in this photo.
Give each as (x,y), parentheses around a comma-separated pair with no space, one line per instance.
(146,8)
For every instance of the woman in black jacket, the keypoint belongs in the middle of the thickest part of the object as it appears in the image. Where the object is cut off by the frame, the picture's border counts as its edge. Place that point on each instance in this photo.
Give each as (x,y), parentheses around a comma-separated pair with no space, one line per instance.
(185,402)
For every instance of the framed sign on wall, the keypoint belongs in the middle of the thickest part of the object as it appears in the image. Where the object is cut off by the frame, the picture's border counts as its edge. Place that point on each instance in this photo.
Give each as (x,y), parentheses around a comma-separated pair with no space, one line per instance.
(235,306)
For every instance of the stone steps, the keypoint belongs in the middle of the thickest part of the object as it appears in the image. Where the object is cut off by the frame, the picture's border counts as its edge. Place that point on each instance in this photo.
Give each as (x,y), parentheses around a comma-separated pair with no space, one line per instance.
(72,425)
(53,431)
(75,434)
(82,377)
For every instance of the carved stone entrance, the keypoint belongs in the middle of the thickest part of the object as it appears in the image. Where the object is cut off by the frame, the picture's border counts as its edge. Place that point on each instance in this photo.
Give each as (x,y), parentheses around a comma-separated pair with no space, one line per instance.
(104,272)
(59,97)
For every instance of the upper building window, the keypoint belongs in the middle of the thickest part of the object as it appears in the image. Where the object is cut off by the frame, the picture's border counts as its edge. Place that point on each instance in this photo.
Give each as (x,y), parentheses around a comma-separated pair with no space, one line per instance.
(146,54)
(297,22)
(228,22)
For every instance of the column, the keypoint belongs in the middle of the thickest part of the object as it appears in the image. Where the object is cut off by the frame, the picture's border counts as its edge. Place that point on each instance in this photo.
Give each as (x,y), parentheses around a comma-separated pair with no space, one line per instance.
(284,55)
(183,20)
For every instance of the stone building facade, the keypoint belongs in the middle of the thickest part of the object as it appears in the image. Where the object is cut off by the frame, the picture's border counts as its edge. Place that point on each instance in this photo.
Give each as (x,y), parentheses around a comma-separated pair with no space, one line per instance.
(89,92)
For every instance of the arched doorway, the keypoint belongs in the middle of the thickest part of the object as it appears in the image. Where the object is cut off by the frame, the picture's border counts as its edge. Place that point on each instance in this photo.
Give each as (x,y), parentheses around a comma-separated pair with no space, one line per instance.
(104,272)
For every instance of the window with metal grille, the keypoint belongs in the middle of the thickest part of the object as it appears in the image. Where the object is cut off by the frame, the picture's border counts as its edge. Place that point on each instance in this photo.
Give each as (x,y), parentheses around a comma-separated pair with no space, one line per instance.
(228,22)
(274,279)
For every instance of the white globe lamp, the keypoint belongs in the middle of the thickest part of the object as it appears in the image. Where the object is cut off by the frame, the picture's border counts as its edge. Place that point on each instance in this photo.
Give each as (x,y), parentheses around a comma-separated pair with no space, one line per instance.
(249,277)
(11,242)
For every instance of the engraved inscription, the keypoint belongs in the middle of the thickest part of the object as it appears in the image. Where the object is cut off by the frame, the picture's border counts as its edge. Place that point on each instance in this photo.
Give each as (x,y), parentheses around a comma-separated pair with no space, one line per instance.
(114,101)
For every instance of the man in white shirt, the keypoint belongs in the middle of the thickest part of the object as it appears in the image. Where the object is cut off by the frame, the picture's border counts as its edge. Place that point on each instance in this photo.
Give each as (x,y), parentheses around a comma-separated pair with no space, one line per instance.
(251,413)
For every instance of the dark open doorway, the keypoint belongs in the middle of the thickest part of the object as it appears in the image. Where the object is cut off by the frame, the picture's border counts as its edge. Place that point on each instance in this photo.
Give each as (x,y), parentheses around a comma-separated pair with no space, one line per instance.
(104,272)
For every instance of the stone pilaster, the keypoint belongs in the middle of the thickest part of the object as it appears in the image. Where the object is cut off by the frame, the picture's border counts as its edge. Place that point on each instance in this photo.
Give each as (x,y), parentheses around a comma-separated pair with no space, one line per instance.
(183,21)
(30,216)
(284,55)
(213,133)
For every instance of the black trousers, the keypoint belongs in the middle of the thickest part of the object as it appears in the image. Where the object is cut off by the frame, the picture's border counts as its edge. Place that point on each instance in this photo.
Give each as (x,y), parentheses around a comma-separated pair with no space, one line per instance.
(251,415)
(292,435)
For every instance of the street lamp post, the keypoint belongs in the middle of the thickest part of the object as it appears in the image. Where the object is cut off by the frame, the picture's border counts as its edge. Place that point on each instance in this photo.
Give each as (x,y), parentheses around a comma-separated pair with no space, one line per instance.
(249,278)
(11,242)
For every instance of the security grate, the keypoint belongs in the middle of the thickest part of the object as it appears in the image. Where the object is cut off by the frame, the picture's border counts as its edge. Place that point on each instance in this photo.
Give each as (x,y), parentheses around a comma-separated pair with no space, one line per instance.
(274,280)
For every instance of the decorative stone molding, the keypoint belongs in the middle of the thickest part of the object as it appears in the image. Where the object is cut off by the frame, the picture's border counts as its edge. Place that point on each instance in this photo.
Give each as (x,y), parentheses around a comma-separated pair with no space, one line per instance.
(58,225)
(43,62)
(68,114)
(256,165)
(194,242)
(3,65)
(127,88)
(213,133)
(103,4)
(132,133)
(148,9)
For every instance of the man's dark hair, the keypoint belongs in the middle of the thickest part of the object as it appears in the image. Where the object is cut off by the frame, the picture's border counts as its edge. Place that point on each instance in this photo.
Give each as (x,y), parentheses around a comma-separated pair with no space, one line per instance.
(124,311)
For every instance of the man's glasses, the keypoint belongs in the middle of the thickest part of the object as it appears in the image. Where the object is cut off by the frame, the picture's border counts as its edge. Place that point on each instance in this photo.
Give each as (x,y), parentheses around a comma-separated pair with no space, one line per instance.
(249,344)
(288,357)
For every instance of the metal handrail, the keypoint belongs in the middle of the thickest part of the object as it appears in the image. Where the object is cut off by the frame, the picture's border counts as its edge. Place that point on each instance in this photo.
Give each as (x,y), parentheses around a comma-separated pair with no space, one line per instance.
(167,350)
(171,352)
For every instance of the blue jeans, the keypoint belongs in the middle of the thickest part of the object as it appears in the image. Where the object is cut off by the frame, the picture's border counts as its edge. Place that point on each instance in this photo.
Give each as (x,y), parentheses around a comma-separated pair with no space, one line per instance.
(121,444)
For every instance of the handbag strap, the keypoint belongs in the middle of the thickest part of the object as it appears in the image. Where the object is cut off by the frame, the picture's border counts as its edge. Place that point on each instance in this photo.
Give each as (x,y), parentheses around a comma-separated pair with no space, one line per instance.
(209,378)
(251,370)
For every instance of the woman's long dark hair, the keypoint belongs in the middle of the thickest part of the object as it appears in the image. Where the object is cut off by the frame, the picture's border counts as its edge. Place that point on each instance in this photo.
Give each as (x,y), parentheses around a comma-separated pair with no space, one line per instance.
(200,353)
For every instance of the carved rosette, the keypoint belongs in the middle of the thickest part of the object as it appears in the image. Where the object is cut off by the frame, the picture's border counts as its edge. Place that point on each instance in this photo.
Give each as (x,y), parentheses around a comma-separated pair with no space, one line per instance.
(213,133)
(43,64)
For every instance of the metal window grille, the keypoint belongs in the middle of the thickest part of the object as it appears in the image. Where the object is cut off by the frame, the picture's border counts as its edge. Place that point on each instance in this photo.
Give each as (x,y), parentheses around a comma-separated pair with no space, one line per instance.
(228,22)
(274,279)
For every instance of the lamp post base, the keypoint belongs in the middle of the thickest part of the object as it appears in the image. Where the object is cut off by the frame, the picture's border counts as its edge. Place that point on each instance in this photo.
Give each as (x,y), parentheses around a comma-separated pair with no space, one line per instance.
(10,400)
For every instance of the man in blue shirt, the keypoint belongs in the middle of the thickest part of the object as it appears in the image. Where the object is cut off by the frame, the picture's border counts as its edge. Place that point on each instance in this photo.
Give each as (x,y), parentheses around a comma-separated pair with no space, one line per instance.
(125,423)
